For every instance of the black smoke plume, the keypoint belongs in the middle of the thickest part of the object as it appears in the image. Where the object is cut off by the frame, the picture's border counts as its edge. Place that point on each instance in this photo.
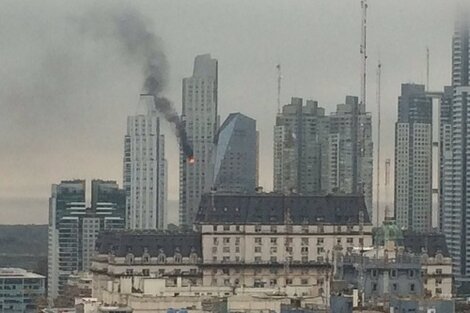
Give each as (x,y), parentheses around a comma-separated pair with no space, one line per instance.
(131,31)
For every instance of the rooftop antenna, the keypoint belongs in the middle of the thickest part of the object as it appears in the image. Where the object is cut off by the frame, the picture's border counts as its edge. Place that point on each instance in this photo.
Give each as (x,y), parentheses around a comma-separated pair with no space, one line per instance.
(387,186)
(279,79)
(363,50)
(427,68)
(379,77)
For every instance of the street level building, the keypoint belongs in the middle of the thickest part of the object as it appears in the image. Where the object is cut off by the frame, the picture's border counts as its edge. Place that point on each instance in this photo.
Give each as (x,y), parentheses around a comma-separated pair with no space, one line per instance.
(20,290)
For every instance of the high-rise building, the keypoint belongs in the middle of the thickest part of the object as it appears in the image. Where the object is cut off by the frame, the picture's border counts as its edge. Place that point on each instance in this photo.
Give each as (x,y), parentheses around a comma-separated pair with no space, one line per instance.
(73,228)
(235,155)
(201,121)
(413,159)
(445,141)
(351,151)
(301,148)
(145,167)
(456,180)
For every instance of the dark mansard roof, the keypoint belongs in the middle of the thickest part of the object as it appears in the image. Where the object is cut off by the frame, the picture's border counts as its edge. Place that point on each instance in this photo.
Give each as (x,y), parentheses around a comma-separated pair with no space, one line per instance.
(271,208)
(120,243)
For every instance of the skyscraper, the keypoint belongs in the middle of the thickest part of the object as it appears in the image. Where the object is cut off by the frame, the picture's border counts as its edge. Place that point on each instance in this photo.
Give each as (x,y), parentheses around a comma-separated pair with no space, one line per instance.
(300,148)
(413,159)
(235,155)
(73,228)
(145,167)
(456,178)
(351,150)
(201,121)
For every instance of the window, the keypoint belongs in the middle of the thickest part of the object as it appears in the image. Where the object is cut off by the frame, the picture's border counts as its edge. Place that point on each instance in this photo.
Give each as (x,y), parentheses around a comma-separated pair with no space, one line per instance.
(257,259)
(411,273)
(438,291)
(273,228)
(226,249)
(304,250)
(214,228)
(374,287)
(161,272)
(412,287)
(257,249)
(273,282)
(146,272)
(304,242)
(258,240)
(304,259)
(393,273)
(225,271)
(320,241)
(438,281)
(129,271)
(237,228)
(237,241)
(273,240)
(320,250)
(349,240)
(214,249)
(258,228)
(226,240)
(273,250)
(215,240)
(395,287)
(226,227)
(304,281)
(438,270)
(237,249)
(273,259)
(374,273)
(288,281)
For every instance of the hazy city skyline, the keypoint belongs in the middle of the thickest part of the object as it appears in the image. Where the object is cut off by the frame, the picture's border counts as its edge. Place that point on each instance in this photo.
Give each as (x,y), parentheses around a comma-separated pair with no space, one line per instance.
(65,96)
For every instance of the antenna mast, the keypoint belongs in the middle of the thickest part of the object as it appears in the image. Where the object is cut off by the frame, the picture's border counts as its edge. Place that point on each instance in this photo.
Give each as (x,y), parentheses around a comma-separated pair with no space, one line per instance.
(427,68)
(279,78)
(364,6)
(379,86)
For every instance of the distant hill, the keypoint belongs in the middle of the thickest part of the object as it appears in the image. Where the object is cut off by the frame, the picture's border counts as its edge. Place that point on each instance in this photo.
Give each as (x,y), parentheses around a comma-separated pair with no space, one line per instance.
(24,246)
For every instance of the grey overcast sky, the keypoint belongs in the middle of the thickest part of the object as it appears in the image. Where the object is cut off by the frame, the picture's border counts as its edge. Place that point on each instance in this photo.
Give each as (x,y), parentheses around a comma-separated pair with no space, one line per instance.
(64,96)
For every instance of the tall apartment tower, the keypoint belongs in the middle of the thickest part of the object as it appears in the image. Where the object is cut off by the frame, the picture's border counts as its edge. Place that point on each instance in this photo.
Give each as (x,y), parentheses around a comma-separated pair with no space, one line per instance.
(235,155)
(445,145)
(456,178)
(350,151)
(201,121)
(145,168)
(300,148)
(73,228)
(413,159)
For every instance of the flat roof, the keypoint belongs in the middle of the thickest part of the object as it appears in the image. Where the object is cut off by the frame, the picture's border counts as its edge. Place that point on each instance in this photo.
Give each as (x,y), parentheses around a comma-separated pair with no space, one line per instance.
(12,272)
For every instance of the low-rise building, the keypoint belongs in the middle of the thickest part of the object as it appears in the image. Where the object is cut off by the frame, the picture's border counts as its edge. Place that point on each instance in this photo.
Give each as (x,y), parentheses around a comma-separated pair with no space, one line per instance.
(20,290)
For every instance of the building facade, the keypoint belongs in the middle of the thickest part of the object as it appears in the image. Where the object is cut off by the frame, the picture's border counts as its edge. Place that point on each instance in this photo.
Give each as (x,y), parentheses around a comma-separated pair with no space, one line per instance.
(20,290)
(201,121)
(74,228)
(350,151)
(301,148)
(236,155)
(456,188)
(145,167)
(413,159)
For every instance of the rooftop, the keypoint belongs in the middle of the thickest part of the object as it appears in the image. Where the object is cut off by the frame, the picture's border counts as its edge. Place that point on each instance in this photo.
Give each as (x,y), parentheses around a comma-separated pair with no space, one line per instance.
(10,272)
(273,208)
(120,243)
